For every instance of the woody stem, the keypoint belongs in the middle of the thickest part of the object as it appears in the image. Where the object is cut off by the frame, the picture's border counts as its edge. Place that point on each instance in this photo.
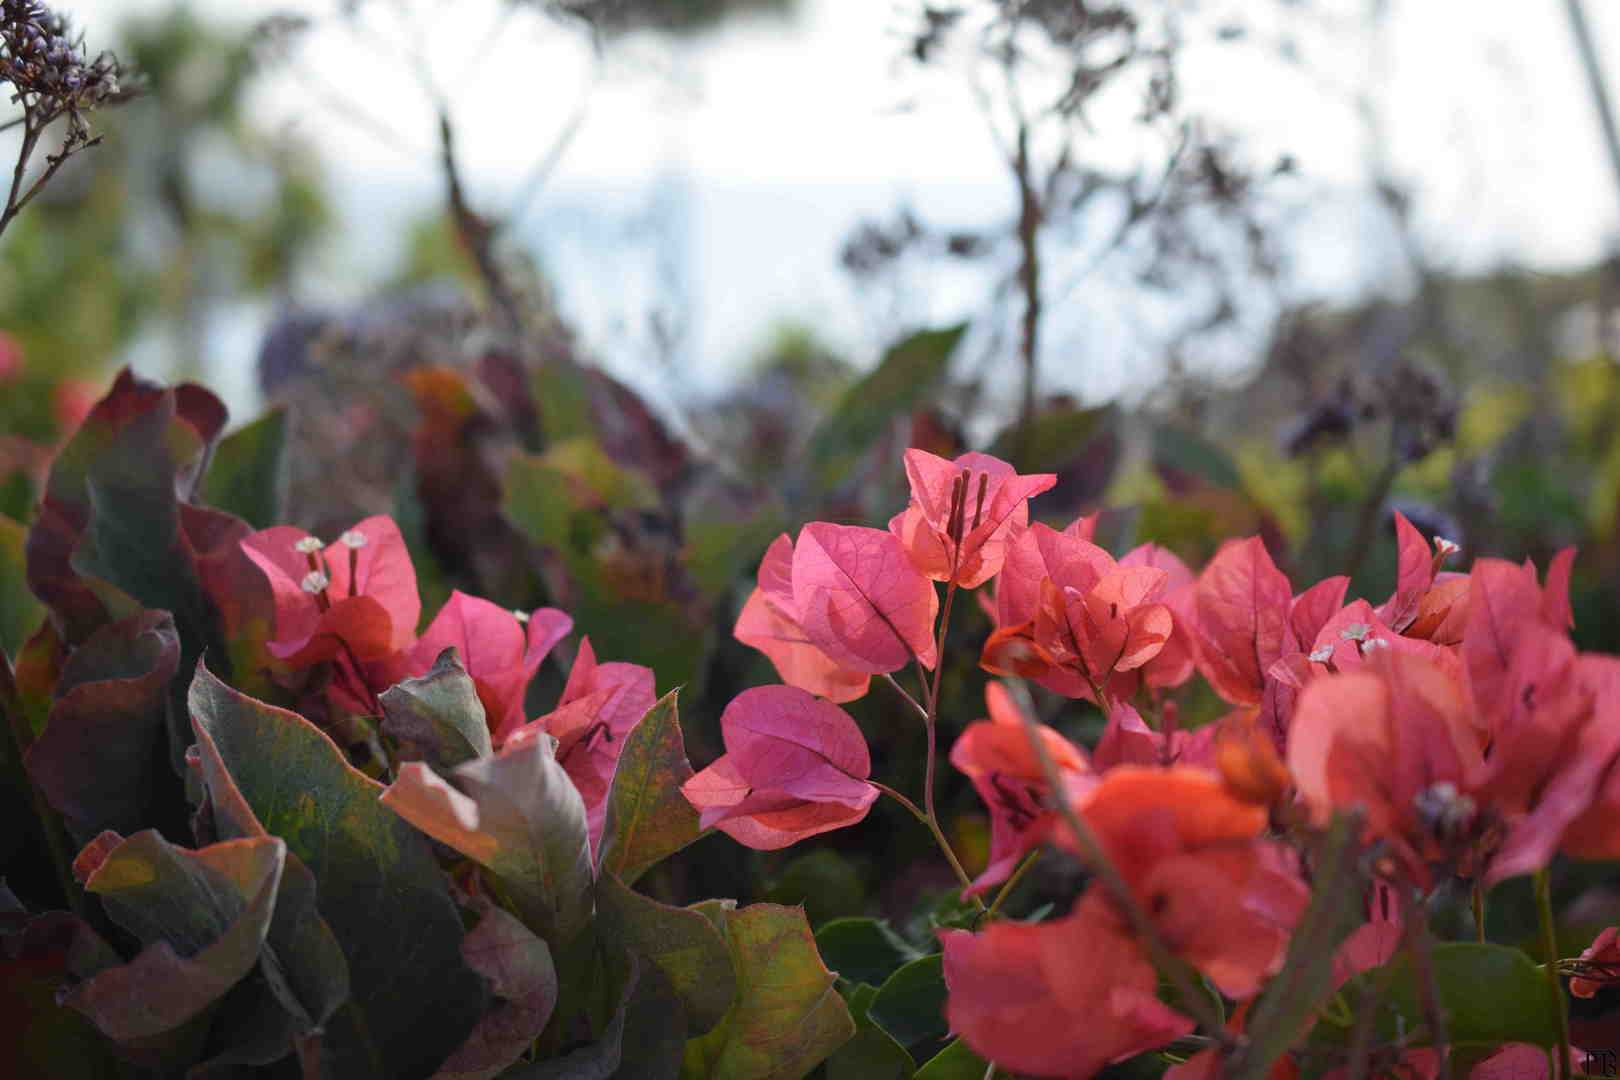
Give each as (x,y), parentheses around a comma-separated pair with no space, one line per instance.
(930,724)
(933,827)
(1192,999)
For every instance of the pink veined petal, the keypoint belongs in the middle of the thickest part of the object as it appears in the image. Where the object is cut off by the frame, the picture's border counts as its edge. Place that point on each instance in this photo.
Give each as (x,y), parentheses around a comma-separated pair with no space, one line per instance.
(489,637)
(547,626)
(383,571)
(1312,609)
(1414,575)
(798,662)
(782,738)
(860,600)
(776,576)
(1242,603)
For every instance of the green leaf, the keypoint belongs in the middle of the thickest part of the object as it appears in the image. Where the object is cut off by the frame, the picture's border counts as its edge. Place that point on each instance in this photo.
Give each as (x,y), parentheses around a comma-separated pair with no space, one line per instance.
(824,882)
(413,998)
(1056,437)
(787,1017)
(518,814)
(955,1062)
(863,950)
(564,400)
(133,540)
(520,971)
(909,374)
(871,1053)
(1490,994)
(682,943)
(655,1029)
(20,612)
(202,916)
(647,817)
(437,718)
(910,1005)
(1183,454)
(724,541)
(98,761)
(245,476)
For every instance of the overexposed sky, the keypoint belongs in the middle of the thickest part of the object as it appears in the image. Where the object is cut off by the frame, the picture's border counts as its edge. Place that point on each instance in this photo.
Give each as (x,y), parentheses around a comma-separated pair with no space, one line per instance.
(768,140)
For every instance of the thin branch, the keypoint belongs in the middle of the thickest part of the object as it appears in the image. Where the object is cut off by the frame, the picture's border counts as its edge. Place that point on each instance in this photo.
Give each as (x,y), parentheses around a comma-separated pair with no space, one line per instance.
(1029,277)
(477,233)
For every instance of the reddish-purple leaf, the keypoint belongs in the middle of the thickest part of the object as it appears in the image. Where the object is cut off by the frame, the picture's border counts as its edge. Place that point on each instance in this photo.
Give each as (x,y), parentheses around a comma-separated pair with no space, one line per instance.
(203,917)
(522,976)
(860,600)
(98,761)
(518,814)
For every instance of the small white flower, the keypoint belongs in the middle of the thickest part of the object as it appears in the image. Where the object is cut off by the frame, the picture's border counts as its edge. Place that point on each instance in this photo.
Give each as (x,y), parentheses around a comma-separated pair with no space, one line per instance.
(520,616)
(1322,655)
(1355,632)
(353,538)
(1373,643)
(315,582)
(1446,547)
(309,545)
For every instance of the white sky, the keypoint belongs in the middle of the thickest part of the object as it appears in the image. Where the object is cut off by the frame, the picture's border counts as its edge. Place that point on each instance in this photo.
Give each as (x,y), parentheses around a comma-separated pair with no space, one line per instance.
(774,138)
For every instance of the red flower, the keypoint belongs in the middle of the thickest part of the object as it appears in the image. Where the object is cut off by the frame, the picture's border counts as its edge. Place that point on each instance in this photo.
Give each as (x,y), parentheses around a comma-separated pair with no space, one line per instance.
(599,706)
(499,651)
(1063,998)
(358,595)
(1067,997)
(963,514)
(1221,897)
(1601,963)
(997,757)
(1072,618)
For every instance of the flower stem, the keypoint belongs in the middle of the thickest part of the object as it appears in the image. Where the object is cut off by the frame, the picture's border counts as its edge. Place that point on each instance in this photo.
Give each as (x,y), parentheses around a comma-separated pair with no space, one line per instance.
(1007,886)
(1549,948)
(916,811)
(913,702)
(1418,944)
(933,827)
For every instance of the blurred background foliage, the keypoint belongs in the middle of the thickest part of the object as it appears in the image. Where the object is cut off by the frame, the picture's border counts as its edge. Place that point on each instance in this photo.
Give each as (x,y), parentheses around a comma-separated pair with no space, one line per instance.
(1486,407)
